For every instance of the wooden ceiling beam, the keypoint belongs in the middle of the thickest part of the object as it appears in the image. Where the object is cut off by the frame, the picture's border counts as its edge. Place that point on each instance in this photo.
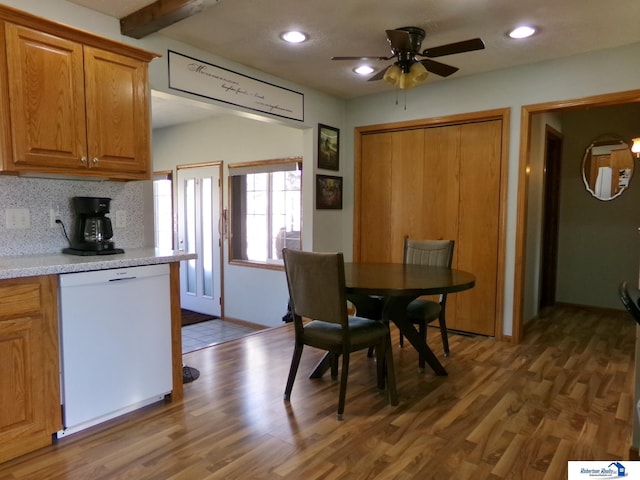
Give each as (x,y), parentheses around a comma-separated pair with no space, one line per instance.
(158,15)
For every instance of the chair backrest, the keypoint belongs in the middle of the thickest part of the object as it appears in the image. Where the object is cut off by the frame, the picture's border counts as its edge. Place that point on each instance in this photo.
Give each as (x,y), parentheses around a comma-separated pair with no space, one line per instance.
(437,253)
(630,297)
(316,285)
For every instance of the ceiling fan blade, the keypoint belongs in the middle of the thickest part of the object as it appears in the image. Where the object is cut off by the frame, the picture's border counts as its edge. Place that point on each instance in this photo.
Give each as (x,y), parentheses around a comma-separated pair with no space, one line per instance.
(438,68)
(452,48)
(361,58)
(379,75)
(400,40)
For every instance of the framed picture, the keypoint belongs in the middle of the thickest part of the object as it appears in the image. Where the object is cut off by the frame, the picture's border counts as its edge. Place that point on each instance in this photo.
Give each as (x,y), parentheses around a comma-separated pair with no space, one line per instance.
(328,192)
(328,147)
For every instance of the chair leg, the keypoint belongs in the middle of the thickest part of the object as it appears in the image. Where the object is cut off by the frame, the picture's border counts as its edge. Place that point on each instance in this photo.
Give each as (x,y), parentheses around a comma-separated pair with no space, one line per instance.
(380,364)
(334,365)
(295,362)
(443,333)
(390,373)
(422,330)
(343,384)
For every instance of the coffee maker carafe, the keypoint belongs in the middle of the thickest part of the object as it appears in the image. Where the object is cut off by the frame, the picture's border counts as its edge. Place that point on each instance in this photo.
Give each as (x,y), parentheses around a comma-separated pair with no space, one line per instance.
(93,230)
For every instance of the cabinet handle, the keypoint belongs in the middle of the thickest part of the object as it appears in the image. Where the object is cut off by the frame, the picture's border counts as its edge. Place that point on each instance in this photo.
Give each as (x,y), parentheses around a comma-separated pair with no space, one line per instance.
(83,160)
(96,160)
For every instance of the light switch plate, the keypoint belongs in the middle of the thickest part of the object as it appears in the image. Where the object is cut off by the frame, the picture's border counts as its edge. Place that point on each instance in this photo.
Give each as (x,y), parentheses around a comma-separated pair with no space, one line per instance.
(121,218)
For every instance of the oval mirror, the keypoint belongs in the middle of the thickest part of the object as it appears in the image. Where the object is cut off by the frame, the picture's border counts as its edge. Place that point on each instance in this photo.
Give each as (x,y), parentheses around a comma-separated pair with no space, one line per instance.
(607,168)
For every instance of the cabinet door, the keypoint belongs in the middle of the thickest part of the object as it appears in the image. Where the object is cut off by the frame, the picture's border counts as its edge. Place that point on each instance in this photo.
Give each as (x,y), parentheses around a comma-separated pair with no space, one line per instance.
(436,183)
(46,96)
(29,382)
(390,189)
(406,189)
(375,212)
(441,184)
(478,226)
(117,113)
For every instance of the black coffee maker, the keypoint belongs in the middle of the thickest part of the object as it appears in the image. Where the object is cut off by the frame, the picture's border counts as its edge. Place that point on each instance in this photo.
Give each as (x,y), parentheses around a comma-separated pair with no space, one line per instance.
(92,229)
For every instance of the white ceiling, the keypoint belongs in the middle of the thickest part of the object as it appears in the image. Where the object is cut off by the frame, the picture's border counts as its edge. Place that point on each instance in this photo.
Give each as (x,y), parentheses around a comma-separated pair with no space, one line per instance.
(246,31)
(168,110)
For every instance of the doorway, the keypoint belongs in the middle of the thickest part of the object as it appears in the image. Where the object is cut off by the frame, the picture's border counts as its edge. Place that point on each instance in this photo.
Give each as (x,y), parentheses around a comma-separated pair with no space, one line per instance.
(550,217)
(523,248)
(199,192)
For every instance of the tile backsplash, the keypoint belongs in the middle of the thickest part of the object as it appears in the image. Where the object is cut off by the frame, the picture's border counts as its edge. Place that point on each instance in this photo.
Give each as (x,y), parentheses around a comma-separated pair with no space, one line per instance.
(40,195)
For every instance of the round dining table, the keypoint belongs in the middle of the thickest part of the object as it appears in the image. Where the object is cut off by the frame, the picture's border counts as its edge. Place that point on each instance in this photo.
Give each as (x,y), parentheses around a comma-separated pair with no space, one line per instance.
(404,280)
(398,285)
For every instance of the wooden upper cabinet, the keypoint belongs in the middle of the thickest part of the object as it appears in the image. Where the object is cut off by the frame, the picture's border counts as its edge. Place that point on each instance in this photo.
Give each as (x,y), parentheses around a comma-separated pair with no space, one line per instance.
(46,98)
(117,112)
(78,104)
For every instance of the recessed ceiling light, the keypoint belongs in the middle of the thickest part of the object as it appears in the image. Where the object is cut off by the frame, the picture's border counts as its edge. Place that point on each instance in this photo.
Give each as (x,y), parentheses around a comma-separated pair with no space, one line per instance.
(363,70)
(523,31)
(294,36)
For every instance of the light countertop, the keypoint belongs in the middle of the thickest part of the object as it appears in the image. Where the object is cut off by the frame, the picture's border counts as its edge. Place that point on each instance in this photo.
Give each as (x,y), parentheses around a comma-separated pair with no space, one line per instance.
(56,263)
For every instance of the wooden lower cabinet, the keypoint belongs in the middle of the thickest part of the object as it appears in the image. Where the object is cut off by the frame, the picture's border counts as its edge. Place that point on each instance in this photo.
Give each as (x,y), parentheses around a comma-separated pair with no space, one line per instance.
(440,182)
(29,375)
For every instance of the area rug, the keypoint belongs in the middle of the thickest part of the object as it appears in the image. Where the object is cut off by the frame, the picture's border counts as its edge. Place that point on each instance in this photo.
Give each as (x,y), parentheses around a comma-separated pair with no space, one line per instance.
(190,317)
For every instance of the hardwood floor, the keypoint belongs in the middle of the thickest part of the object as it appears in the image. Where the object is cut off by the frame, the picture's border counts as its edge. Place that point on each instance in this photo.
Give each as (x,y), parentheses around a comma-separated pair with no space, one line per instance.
(504,411)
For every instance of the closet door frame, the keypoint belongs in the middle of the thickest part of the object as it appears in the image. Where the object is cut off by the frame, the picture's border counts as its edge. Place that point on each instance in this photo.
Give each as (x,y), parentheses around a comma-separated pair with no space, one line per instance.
(460,119)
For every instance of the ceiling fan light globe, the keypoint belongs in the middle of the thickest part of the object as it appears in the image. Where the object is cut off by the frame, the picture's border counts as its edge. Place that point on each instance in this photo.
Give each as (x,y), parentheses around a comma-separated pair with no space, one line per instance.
(418,72)
(407,81)
(392,75)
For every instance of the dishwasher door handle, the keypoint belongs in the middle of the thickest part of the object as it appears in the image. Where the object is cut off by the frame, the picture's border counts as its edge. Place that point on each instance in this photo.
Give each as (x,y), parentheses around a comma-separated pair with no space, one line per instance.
(122,278)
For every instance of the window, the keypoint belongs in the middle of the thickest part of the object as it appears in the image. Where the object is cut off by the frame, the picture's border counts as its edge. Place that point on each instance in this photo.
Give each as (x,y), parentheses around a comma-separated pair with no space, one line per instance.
(266,210)
(163,209)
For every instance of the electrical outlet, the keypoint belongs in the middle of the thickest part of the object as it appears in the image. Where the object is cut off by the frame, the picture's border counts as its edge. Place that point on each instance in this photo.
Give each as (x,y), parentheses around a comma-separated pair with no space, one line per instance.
(53,216)
(17,218)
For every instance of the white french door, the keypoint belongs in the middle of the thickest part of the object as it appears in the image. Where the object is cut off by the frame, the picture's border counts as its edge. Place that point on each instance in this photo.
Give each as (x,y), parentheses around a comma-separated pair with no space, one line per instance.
(199,199)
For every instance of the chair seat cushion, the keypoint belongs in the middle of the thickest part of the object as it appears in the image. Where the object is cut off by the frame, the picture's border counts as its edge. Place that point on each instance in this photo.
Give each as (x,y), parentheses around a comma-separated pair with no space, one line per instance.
(362,331)
(423,311)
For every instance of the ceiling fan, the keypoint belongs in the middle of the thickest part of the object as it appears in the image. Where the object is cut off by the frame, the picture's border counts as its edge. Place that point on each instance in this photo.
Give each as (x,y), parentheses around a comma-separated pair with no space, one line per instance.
(407,71)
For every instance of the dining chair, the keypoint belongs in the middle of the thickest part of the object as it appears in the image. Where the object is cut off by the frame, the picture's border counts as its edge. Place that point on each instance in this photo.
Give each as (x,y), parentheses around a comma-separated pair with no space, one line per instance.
(421,311)
(316,283)
(630,296)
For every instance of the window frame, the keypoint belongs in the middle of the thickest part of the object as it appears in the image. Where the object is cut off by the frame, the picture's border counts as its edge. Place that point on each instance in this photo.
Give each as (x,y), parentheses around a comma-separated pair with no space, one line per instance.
(235,217)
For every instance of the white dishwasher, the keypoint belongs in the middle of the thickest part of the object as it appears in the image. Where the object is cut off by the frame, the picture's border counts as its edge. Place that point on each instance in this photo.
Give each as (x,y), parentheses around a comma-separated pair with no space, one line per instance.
(115,349)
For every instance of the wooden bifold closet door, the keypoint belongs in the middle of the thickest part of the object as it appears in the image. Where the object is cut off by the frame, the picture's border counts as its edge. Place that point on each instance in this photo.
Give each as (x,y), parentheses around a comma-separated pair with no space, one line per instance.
(436,182)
